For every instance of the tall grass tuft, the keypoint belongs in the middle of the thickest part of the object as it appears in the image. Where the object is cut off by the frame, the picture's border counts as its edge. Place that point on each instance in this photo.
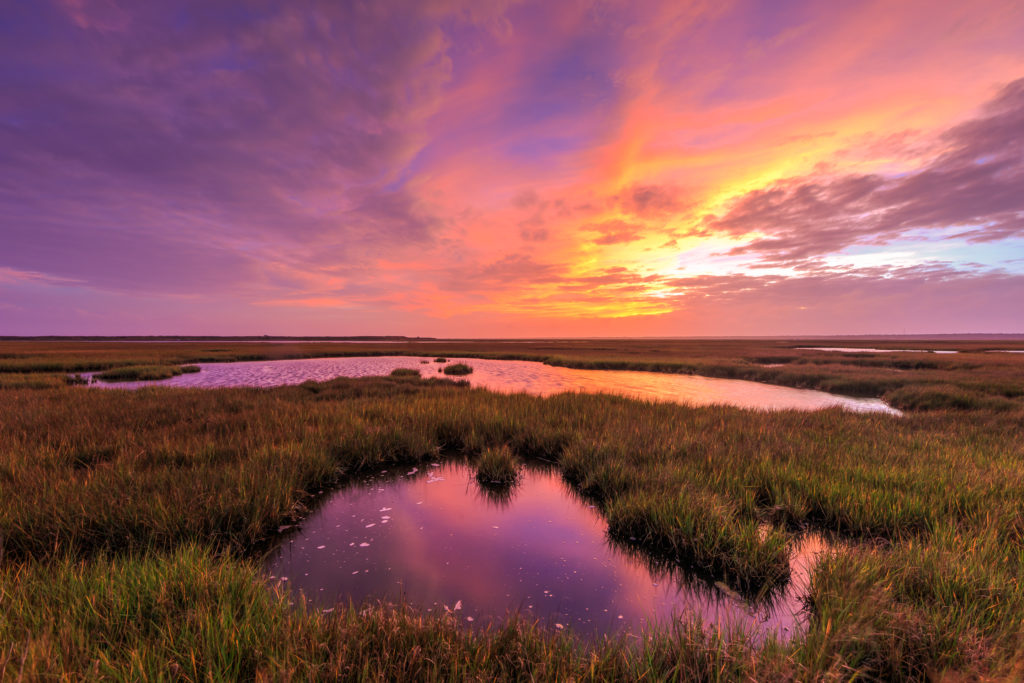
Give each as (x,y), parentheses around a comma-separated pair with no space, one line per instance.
(498,467)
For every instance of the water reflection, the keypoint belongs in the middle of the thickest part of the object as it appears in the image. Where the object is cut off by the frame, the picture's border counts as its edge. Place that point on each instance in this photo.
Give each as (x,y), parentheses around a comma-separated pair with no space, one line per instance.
(526,376)
(436,539)
(498,495)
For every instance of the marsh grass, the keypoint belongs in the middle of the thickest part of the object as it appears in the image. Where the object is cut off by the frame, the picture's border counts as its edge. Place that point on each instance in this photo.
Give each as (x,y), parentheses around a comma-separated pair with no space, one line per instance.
(405,372)
(458,369)
(138,373)
(156,495)
(498,467)
(948,397)
(25,380)
(191,615)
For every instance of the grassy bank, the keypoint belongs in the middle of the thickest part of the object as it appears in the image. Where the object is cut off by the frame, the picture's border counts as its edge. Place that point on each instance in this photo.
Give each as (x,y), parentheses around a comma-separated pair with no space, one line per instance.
(158,496)
(141,373)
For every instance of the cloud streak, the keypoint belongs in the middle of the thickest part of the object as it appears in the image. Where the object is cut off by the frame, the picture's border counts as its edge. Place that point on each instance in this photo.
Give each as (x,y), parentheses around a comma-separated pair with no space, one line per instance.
(974,185)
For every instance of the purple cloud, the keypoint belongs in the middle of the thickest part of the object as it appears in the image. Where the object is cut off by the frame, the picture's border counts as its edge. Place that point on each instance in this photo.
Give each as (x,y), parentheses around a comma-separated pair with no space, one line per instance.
(977,184)
(179,145)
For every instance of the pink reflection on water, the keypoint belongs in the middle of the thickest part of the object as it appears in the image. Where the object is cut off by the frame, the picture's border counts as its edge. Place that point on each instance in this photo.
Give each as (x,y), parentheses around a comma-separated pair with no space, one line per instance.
(433,539)
(529,377)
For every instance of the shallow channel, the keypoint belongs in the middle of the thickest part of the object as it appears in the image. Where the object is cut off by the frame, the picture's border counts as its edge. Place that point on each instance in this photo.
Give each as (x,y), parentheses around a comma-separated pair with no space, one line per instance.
(433,538)
(862,349)
(531,377)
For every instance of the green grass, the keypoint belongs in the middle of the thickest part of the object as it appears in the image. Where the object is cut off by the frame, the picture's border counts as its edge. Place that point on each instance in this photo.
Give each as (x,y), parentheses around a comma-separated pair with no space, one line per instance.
(405,372)
(458,369)
(131,518)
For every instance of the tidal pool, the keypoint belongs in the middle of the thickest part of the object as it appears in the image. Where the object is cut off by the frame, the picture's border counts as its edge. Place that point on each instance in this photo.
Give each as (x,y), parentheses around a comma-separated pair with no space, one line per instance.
(433,538)
(525,376)
(860,349)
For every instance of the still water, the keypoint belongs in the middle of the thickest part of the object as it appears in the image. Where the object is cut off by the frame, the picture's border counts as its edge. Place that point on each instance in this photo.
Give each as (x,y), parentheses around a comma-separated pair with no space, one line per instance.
(862,349)
(526,376)
(434,538)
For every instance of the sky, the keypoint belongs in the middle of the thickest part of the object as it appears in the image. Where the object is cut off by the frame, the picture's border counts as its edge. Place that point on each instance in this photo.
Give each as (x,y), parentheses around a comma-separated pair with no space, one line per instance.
(477,168)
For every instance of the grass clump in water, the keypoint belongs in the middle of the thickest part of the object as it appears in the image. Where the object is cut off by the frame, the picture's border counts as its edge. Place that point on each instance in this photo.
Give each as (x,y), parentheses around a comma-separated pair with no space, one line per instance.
(440,359)
(458,369)
(405,372)
(498,467)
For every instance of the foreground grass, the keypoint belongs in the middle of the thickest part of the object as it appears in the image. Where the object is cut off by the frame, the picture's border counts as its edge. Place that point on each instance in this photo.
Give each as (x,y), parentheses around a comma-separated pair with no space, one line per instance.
(115,494)
(192,616)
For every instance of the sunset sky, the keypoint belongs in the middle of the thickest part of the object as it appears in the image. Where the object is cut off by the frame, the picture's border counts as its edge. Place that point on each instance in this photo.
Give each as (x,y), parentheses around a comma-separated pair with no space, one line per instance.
(487,169)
